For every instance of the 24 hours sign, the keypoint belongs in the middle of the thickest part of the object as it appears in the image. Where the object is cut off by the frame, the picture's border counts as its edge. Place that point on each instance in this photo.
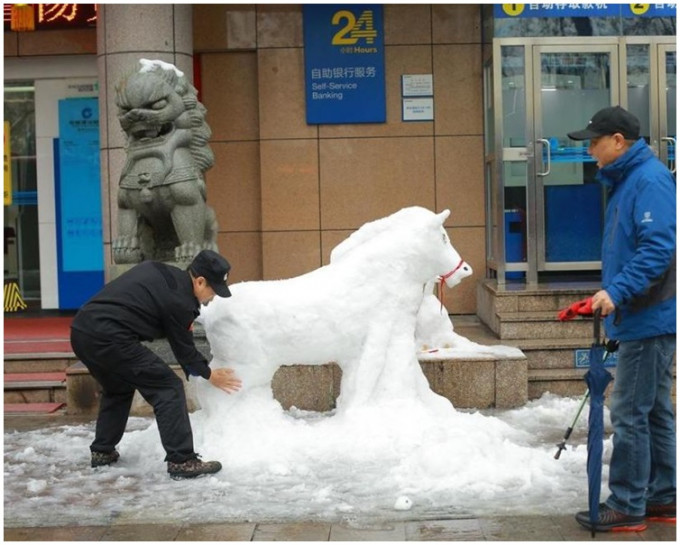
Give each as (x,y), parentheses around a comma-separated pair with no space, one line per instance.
(344,63)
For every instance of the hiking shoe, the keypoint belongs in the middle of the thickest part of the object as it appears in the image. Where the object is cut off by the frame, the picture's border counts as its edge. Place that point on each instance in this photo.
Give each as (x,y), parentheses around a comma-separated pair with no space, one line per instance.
(612,521)
(661,512)
(104,458)
(192,468)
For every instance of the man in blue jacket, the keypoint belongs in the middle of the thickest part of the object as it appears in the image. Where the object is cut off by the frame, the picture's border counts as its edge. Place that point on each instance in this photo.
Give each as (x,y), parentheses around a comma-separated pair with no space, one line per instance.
(638,302)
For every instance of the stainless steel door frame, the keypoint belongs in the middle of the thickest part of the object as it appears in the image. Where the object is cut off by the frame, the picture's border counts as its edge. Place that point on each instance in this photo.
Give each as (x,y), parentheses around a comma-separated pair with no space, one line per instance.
(539,141)
(659,45)
(661,50)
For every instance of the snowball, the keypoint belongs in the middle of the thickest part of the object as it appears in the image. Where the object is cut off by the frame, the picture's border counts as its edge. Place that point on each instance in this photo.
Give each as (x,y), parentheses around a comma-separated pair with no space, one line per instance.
(403,503)
(36,486)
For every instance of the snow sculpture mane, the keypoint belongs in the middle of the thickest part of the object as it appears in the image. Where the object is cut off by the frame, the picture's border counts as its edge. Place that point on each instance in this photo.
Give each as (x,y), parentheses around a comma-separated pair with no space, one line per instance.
(359,311)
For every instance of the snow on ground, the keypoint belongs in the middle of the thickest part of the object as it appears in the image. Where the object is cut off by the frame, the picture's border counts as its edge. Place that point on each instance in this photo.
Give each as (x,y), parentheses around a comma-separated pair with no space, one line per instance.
(311,466)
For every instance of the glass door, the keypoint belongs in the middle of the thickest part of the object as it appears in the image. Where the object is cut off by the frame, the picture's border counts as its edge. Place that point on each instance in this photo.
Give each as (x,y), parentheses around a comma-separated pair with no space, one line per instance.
(570,84)
(667,104)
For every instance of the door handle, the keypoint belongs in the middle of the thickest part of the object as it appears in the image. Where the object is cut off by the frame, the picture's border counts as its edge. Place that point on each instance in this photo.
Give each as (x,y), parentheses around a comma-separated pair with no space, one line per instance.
(670,140)
(546,144)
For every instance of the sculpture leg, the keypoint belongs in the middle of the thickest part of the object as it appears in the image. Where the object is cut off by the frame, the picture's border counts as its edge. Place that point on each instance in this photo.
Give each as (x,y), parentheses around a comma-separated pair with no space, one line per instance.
(126,245)
(188,217)
(211,229)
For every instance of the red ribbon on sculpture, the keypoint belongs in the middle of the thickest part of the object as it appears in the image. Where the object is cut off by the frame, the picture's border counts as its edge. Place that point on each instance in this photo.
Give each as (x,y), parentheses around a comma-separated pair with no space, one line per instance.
(442,279)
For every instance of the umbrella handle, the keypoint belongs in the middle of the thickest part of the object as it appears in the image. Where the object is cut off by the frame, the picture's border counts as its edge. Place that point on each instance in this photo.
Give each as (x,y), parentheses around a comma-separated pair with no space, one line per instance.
(596,325)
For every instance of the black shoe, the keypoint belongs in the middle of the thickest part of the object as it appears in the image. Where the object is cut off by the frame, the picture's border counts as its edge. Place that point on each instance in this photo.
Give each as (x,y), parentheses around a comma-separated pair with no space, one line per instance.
(104,458)
(612,521)
(661,512)
(192,468)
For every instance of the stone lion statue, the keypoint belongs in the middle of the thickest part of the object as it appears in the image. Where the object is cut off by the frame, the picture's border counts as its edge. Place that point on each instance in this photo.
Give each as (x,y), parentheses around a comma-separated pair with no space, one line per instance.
(162,210)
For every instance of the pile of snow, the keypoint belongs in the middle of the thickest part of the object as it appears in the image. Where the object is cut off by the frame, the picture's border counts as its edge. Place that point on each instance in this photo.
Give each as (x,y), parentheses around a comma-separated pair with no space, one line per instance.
(310,466)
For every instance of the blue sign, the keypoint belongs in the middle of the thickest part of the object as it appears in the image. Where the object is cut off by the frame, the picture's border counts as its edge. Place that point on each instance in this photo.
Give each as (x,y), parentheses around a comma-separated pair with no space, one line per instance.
(586,9)
(582,358)
(344,63)
(80,254)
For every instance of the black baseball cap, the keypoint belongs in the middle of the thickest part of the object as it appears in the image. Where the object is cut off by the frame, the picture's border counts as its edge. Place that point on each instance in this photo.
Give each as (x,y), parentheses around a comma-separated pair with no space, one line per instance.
(610,121)
(214,268)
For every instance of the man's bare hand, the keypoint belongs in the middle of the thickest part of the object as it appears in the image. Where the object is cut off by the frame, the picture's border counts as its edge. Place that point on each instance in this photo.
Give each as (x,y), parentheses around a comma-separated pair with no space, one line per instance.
(602,301)
(225,379)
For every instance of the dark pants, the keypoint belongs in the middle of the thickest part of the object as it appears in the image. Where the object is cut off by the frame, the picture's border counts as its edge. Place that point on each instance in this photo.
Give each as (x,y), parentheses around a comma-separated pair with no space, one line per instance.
(121,367)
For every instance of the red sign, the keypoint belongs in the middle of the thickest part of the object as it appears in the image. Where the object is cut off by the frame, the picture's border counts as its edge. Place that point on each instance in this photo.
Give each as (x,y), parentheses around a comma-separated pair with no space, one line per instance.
(57,16)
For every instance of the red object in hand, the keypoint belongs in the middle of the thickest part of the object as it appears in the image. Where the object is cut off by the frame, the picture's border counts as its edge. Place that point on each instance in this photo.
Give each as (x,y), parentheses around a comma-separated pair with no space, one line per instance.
(580,308)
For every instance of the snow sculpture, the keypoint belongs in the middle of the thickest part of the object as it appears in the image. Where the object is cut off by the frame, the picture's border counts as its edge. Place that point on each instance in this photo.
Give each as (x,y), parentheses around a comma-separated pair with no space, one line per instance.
(359,311)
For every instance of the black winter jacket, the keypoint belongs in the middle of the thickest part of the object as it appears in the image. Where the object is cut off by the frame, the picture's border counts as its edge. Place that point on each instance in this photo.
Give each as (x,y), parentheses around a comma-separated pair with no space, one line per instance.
(150,301)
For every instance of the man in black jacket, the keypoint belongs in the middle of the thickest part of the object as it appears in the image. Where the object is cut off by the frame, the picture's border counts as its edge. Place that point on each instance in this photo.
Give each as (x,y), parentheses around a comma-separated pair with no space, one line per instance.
(150,301)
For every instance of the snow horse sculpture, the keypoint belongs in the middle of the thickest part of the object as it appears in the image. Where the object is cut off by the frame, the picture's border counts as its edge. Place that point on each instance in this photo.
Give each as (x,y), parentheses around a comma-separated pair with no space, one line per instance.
(358,311)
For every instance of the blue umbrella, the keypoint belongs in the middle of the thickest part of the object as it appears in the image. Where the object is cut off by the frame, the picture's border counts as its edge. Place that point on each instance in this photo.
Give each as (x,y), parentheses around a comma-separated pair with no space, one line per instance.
(597,379)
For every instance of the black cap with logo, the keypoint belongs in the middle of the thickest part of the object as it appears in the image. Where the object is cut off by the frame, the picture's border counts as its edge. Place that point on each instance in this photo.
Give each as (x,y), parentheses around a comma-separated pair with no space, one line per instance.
(214,268)
(610,121)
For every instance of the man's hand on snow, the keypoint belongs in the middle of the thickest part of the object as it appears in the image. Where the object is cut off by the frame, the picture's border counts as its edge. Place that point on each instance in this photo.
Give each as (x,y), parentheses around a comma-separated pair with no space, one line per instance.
(225,379)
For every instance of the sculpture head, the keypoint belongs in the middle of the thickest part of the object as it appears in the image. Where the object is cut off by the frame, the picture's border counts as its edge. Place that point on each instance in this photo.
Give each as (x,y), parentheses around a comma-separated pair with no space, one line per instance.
(422,239)
(155,102)
(460,269)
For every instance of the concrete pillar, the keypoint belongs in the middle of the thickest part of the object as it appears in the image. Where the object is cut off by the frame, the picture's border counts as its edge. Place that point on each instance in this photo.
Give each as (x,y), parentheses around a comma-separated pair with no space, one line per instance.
(125,34)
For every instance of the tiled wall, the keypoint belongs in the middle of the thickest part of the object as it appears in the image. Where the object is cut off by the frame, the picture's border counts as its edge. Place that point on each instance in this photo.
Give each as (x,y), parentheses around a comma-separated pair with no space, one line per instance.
(286,192)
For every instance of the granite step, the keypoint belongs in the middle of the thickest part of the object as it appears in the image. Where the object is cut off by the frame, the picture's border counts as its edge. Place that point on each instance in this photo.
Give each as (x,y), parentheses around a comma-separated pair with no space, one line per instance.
(28,388)
(38,363)
(542,325)
(32,408)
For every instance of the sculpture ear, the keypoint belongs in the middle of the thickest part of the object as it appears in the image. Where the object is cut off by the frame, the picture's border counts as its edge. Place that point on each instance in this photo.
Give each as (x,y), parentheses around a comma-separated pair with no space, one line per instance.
(443,215)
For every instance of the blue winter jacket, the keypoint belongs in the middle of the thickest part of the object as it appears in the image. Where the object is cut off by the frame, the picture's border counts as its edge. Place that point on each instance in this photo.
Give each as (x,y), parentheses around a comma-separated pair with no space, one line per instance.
(638,245)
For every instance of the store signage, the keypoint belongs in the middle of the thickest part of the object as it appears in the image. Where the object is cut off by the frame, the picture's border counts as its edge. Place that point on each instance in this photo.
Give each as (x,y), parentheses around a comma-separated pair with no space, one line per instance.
(574,9)
(344,63)
(57,16)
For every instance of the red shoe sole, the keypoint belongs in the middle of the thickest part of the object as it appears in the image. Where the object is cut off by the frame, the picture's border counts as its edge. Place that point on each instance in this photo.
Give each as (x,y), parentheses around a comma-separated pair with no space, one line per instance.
(634,528)
(670,520)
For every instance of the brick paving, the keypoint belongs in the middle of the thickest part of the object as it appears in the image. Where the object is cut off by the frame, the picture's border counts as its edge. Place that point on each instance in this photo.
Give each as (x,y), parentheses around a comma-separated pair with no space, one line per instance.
(514,528)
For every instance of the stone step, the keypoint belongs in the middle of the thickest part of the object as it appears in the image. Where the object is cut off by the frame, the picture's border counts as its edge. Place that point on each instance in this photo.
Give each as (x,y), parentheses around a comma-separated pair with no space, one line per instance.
(550,353)
(542,325)
(516,303)
(32,408)
(35,388)
(562,382)
(14,381)
(38,363)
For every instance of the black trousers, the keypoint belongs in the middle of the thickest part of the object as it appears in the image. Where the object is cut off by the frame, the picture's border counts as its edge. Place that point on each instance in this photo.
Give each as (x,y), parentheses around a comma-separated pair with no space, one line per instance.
(121,367)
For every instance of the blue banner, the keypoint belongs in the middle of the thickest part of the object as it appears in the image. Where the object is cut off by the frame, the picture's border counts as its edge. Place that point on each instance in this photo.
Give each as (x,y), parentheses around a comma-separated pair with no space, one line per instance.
(668,9)
(344,63)
(81,206)
(80,252)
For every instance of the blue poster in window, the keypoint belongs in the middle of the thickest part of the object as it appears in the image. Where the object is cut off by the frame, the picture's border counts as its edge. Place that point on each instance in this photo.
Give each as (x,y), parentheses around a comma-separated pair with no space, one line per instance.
(344,63)
(79,203)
